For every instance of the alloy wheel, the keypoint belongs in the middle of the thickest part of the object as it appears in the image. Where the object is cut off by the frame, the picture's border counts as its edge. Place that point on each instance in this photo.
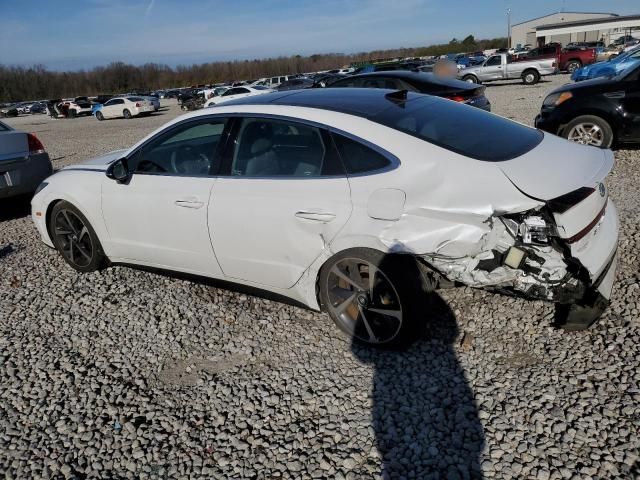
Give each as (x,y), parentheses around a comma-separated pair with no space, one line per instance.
(363,301)
(587,134)
(74,238)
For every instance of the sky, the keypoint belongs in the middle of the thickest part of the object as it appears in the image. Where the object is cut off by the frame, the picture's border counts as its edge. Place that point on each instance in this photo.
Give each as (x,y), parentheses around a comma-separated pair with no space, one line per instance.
(81,34)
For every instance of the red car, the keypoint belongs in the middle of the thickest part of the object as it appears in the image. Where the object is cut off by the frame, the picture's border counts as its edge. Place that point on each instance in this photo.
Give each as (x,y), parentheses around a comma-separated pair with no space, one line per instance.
(568,59)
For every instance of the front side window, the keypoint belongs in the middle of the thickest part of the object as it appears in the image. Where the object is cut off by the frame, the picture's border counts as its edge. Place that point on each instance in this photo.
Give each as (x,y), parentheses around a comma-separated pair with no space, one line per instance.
(357,157)
(493,61)
(189,150)
(280,148)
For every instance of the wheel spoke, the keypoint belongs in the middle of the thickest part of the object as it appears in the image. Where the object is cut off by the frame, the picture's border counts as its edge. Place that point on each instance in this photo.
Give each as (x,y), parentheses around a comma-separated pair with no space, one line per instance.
(59,231)
(83,232)
(372,336)
(336,271)
(83,251)
(69,224)
(71,257)
(372,279)
(397,314)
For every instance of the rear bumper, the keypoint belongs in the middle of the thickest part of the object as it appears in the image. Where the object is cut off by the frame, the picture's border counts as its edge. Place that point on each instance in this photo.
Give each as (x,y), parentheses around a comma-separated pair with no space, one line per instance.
(24,176)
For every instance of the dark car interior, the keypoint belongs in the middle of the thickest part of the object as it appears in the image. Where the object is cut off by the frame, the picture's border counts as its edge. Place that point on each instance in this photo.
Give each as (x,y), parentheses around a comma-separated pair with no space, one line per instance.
(191,152)
(270,148)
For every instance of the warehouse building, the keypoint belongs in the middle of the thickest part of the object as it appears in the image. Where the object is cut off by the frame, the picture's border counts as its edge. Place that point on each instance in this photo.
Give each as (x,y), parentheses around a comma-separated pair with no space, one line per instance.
(527,32)
(607,29)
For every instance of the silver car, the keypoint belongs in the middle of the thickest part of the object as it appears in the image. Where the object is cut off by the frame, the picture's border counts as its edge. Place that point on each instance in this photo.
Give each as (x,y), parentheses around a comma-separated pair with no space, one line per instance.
(24,163)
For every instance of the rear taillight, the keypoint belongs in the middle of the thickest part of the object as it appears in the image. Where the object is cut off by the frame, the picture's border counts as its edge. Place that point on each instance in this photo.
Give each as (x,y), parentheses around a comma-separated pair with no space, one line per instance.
(35,145)
(582,233)
(138,104)
(457,98)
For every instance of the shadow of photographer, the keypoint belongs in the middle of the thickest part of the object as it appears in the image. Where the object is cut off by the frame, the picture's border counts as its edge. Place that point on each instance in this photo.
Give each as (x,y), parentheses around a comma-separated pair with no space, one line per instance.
(424,414)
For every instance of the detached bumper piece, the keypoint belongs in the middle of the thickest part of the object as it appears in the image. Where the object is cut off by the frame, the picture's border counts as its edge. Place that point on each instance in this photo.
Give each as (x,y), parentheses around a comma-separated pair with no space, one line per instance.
(582,315)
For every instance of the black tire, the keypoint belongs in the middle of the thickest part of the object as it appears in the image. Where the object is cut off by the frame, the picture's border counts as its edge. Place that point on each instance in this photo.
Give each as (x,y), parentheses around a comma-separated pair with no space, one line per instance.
(530,77)
(397,288)
(607,136)
(72,113)
(99,116)
(470,79)
(573,65)
(75,239)
(126,113)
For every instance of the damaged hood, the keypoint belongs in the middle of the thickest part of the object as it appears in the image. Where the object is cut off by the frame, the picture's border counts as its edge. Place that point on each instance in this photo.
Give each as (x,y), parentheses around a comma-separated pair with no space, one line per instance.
(556,167)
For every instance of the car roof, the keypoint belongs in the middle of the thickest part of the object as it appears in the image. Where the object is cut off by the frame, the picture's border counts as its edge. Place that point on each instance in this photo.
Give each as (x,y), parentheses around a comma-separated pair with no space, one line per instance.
(363,102)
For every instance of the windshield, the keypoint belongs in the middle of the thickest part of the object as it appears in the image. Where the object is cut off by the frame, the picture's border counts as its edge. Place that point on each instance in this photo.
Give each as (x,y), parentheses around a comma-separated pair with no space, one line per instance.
(462,129)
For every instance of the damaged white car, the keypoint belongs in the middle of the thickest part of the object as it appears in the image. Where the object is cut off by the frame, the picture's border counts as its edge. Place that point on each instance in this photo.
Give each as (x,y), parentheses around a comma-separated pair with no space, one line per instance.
(358,202)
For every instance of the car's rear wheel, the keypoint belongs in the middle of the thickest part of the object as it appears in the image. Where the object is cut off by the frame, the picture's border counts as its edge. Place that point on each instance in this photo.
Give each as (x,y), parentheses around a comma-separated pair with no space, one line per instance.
(471,79)
(589,130)
(373,297)
(99,116)
(126,113)
(530,77)
(74,238)
(573,65)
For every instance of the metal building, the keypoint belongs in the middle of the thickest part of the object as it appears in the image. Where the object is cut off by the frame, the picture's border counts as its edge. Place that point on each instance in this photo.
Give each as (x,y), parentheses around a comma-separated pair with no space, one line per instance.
(526,32)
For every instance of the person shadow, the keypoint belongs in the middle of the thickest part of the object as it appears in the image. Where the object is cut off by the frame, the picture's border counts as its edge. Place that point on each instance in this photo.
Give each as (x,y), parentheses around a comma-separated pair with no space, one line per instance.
(424,414)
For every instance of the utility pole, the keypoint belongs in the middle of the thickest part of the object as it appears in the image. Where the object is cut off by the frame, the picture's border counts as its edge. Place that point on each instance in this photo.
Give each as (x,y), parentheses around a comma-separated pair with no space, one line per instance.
(508,28)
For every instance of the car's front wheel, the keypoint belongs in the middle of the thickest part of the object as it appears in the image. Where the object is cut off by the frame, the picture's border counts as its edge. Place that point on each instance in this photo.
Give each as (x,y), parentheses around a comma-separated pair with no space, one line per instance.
(74,238)
(373,297)
(471,79)
(127,114)
(589,130)
(99,116)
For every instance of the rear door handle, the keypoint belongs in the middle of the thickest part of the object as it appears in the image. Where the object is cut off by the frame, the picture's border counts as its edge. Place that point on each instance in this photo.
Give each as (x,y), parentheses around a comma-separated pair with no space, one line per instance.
(189,203)
(324,217)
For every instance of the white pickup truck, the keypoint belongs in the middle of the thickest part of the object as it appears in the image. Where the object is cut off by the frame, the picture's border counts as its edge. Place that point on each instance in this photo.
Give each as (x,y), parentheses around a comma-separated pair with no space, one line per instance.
(500,67)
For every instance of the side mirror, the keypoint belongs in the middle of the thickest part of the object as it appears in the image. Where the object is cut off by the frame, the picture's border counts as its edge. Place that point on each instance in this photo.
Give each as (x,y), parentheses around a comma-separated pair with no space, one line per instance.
(119,171)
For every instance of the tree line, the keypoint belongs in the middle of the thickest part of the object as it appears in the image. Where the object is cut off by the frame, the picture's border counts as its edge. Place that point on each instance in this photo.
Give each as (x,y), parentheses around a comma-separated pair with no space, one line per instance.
(37,82)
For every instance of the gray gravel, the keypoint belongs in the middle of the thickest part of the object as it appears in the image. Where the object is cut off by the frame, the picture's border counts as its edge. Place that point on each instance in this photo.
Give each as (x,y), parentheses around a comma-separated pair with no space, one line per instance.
(128,374)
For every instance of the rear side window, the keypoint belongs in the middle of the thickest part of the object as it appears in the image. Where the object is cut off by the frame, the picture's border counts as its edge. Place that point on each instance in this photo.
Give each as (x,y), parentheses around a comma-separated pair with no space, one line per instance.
(462,129)
(357,157)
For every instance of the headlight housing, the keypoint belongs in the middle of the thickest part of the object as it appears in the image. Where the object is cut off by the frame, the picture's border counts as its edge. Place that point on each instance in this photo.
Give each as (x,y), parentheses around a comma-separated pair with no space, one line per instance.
(556,99)
(40,188)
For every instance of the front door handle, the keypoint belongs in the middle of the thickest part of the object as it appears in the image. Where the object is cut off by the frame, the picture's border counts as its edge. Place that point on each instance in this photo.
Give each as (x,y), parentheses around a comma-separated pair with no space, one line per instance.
(324,217)
(189,203)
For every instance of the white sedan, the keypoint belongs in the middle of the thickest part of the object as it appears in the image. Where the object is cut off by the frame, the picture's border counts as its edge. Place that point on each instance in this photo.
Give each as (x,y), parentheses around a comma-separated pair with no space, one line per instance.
(358,203)
(124,107)
(235,93)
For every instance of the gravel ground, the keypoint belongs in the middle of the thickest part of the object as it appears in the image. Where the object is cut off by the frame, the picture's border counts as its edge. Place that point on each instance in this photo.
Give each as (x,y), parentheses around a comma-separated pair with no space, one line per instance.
(128,374)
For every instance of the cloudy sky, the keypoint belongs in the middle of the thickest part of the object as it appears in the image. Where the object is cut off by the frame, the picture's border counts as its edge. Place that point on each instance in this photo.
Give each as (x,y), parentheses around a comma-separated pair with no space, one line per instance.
(77,34)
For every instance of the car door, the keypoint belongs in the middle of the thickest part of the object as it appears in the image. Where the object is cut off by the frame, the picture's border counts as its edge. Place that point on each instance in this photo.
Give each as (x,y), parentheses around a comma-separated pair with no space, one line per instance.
(493,69)
(281,201)
(113,108)
(159,217)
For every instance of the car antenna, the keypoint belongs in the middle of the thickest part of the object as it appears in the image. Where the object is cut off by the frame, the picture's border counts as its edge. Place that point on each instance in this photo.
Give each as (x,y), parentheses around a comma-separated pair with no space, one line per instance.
(397,96)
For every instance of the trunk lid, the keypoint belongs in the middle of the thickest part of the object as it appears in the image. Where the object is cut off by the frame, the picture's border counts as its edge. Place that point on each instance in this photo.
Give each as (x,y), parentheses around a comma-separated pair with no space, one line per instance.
(557,167)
